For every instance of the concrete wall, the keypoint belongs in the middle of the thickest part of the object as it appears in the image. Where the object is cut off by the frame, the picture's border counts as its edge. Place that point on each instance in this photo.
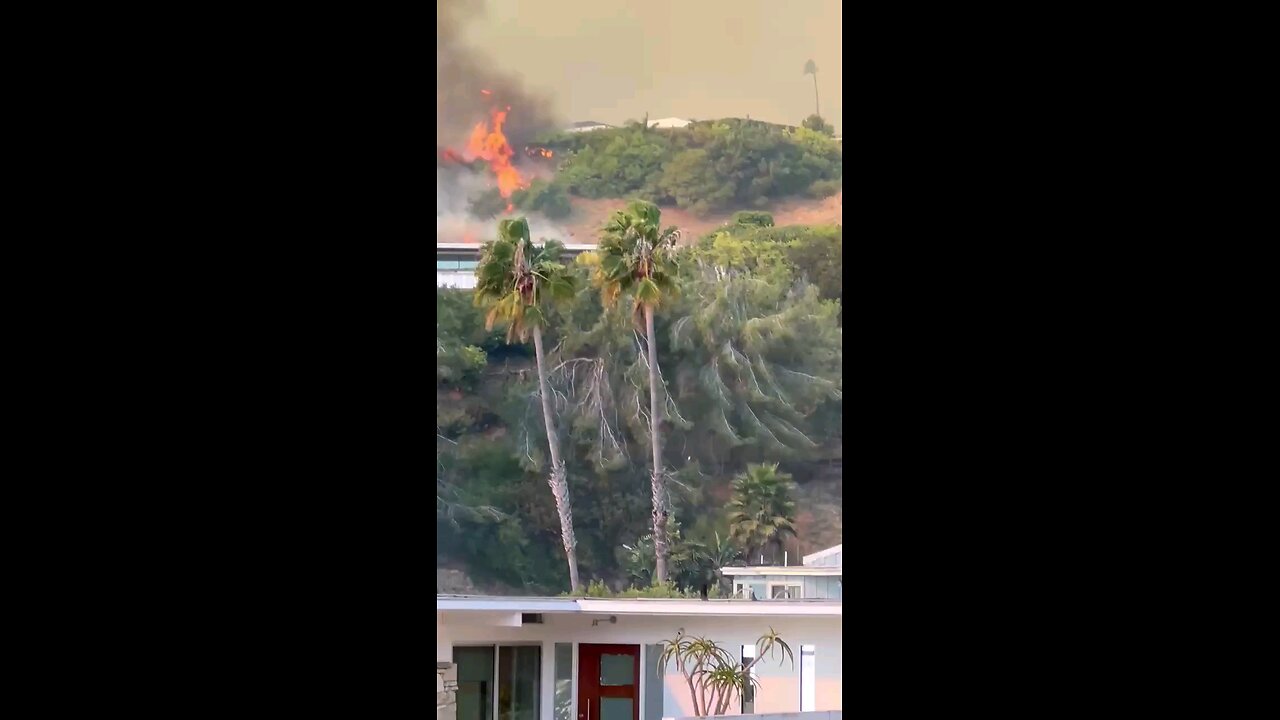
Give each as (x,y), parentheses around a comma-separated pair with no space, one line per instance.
(779,690)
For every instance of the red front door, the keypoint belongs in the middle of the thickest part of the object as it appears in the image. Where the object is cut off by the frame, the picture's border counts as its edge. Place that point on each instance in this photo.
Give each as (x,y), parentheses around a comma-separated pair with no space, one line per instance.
(608,682)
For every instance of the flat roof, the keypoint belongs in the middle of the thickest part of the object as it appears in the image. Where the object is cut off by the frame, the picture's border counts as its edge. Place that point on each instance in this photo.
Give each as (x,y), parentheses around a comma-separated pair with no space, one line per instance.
(476,246)
(822,553)
(636,606)
(783,570)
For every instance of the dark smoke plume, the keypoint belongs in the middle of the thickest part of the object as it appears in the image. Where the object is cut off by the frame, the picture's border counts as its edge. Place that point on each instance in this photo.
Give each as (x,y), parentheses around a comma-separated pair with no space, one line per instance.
(462,71)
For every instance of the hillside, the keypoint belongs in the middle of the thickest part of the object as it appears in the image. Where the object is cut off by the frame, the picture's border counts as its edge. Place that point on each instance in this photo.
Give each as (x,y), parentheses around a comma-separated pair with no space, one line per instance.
(590,215)
(746,328)
(750,347)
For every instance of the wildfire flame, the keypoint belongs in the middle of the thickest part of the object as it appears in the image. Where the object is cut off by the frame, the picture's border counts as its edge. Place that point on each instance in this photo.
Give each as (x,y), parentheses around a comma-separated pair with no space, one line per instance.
(539,152)
(492,147)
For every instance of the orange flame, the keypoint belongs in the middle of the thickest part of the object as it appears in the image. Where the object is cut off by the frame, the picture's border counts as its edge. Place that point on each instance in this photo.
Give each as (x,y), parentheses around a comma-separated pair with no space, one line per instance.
(493,148)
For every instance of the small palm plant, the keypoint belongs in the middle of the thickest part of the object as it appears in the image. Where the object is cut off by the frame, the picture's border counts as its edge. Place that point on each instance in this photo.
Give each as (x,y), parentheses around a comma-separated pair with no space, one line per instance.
(518,281)
(761,509)
(714,675)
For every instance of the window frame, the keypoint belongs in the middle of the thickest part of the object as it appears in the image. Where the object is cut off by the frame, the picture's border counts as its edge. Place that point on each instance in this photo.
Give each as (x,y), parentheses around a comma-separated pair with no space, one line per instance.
(809,680)
(497,649)
(769,586)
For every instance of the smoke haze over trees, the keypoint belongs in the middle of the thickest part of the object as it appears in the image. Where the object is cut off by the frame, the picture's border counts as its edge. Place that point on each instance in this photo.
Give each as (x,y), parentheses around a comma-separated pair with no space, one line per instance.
(463,70)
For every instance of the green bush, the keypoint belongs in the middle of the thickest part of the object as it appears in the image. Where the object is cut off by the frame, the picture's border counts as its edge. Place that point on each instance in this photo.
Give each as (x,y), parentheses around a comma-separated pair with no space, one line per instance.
(825,188)
(597,589)
(548,198)
(705,167)
(817,124)
(487,205)
(753,218)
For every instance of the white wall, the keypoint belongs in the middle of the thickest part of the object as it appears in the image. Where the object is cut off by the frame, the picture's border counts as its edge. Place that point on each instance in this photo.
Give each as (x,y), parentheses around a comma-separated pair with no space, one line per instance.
(780,682)
(456,278)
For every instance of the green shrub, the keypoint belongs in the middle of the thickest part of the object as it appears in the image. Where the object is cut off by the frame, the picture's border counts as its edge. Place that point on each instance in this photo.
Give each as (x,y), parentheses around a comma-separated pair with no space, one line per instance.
(705,167)
(825,188)
(754,218)
(548,198)
(487,205)
(817,124)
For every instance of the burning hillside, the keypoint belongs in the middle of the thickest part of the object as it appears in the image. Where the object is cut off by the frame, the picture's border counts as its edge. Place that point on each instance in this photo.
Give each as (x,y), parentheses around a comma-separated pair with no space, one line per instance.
(484,117)
(477,178)
(489,144)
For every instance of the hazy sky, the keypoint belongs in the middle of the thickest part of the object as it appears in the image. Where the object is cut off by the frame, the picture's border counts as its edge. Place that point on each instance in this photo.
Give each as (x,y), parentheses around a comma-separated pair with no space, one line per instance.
(613,60)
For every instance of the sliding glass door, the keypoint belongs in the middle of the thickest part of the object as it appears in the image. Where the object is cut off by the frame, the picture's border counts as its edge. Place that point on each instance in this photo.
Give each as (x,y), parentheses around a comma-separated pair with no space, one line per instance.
(505,690)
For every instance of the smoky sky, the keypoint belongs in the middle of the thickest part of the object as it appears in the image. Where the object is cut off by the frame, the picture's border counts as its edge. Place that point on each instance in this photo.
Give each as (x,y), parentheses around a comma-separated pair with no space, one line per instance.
(615,60)
(470,83)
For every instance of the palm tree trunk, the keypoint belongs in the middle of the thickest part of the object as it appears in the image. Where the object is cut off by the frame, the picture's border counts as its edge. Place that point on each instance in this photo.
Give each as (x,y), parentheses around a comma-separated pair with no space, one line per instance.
(557,480)
(817,109)
(655,433)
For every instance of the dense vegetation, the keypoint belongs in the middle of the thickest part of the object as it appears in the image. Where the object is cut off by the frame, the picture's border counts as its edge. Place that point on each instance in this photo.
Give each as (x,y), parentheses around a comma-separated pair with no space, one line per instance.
(706,167)
(748,339)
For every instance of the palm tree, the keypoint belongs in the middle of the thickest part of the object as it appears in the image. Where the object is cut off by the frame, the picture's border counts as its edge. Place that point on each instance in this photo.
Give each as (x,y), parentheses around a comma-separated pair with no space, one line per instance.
(516,280)
(761,511)
(637,256)
(811,69)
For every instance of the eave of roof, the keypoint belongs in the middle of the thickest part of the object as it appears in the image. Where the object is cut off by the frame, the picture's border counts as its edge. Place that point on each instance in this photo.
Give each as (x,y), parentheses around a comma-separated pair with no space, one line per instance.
(637,606)
(796,570)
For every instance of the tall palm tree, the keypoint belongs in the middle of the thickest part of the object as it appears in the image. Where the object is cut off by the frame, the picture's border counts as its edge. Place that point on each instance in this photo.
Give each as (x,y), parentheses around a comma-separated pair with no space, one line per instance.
(517,280)
(636,256)
(811,69)
(761,511)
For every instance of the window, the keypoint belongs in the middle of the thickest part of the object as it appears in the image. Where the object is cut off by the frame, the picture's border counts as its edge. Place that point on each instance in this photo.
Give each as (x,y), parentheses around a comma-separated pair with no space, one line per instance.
(564,681)
(780,591)
(519,670)
(808,681)
(507,689)
(745,590)
(456,264)
(475,683)
(748,688)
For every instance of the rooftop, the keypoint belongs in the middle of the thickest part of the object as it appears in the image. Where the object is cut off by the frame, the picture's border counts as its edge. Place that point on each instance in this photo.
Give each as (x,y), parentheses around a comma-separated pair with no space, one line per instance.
(671,122)
(795,570)
(808,559)
(636,606)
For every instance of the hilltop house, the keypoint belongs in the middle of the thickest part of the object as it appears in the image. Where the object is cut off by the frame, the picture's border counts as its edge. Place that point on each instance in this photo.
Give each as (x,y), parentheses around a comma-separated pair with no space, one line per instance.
(818,576)
(671,122)
(587,126)
(565,658)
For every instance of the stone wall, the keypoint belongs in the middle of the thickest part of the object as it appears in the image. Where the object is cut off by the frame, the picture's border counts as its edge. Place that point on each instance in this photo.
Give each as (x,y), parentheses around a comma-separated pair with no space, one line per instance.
(446,690)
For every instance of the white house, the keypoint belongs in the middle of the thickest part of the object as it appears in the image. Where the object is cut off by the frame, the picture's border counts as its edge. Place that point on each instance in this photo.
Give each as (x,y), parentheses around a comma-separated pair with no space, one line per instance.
(671,122)
(587,126)
(523,658)
(819,576)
